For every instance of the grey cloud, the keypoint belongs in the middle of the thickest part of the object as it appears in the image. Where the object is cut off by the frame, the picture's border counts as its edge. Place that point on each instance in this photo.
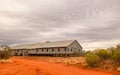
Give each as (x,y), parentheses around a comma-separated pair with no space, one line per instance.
(40,20)
(98,34)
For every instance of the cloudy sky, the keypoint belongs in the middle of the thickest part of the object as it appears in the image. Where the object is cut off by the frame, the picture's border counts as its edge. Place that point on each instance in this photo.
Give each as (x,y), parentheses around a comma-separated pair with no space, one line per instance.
(94,23)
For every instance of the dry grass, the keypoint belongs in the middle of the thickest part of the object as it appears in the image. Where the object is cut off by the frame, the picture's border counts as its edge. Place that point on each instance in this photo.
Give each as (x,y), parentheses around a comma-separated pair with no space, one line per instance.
(67,60)
(5,61)
(64,60)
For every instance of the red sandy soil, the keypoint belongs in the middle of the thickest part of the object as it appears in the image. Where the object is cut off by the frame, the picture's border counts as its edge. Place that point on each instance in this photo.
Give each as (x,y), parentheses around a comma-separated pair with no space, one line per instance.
(25,66)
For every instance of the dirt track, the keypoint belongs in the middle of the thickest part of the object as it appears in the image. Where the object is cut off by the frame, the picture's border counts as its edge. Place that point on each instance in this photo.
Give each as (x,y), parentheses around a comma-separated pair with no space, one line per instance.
(24,66)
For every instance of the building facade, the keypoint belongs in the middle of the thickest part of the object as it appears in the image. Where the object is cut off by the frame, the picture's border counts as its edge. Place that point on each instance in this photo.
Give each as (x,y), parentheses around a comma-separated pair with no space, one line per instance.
(70,47)
(4,47)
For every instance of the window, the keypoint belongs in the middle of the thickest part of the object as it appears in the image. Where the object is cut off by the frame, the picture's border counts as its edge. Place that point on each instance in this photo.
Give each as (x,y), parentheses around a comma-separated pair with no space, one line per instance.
(46,50)
(79,50)
(71,50)
(58,50)
(42,50)
(17,50)
(65,50)
(68,49)
(36,50)
(52,50)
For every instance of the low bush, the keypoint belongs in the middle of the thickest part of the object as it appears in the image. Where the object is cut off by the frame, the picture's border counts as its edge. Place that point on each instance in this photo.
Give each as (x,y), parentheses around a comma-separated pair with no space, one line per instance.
(116,56)
(92,59)
(5,52)
(103,54)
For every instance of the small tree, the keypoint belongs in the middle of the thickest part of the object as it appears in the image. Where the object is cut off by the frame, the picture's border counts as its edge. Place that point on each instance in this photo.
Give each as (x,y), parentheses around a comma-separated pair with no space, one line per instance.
(92,59)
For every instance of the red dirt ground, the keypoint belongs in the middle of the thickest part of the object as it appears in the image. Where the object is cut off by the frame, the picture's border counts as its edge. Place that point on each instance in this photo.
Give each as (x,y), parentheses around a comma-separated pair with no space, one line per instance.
(24,66)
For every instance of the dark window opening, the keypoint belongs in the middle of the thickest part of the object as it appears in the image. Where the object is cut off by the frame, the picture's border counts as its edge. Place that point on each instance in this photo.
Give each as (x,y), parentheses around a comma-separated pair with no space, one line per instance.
(79,50)
(42,50)
(17,50)
(52,50)
(47,50)
(68,49)
(58,50)
(71,50)
(65,50)
(36,50)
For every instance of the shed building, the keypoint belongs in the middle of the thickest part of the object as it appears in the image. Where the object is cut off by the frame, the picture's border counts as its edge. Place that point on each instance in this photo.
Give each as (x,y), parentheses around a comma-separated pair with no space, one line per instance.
(69,47)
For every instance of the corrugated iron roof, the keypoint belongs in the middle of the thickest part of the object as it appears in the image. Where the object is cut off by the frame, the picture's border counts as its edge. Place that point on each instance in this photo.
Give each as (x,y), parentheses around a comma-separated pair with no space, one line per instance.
(44,45)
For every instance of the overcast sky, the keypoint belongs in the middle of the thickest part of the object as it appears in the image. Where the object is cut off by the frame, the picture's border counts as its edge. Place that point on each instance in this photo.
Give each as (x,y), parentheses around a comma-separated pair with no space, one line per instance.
(94,23)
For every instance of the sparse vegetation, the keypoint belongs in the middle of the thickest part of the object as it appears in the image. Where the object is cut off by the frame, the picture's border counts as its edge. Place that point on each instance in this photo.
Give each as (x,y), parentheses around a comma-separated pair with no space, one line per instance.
(5,53)
(109,58)
(103,54)
(92,59)
(116,56)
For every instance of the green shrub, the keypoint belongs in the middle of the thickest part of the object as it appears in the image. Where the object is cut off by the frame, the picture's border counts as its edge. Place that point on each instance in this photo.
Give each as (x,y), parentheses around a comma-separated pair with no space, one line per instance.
(116,56)
(88,52)
(92,59)
(5,54)
(103,54)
